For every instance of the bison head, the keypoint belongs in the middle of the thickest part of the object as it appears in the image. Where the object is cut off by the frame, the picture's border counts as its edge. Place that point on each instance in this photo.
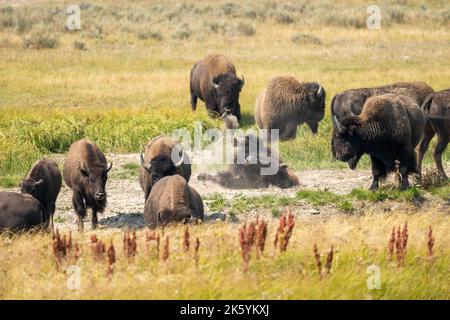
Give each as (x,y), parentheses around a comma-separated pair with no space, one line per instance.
(35,188)
(346,145)
(162,166)
(96,177)
(316,99)
(228,87)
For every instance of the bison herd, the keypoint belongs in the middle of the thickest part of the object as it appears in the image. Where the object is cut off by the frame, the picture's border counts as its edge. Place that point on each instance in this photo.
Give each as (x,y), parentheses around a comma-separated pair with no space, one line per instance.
(388,123)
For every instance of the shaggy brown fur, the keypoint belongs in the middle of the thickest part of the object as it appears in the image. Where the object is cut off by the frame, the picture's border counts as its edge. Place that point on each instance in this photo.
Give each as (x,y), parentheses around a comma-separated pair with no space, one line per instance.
(172,200)
(158,163)
(247,173)
(86,172)
(214,81)
(286,103)
(437,110)
(43,182)
(20,212)
(388,129)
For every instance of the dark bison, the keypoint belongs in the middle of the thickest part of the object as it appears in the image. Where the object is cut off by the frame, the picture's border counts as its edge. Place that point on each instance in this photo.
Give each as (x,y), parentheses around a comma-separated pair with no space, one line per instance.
(214,81)
(437,111)
(388,129)
(86,172)
(286,103)
(44,183)
(246,171)
(172,200)
(20,212)
(163,156)
(350,102)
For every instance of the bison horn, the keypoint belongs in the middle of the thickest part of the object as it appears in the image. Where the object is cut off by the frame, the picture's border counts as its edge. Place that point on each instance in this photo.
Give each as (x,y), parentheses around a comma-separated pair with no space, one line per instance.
(319,92)
(214,83)
(144,165)
(109,168)
(283,165)
(242,81)
(339,125)
(180,162)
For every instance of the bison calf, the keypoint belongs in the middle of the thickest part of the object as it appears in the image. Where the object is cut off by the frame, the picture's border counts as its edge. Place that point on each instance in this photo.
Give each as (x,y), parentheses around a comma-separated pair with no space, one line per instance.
(214,81)
(388,129)
(44,183)
(172,200)
(246,171)
(86,172)
(163,156)
(437,111)
(287,103)
(20,212)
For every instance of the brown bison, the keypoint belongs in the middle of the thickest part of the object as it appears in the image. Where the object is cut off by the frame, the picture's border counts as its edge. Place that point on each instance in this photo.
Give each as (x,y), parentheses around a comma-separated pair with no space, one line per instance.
(388,129)
(172,200)
(44,183)
(20,212)
(286,103)
(163,156)
(86,172)
(437,111)
(214,81)
(350,102)
(248,165)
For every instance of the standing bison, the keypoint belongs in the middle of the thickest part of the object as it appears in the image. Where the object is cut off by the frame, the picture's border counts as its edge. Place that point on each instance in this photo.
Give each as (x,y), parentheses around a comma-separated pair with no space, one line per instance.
(86,172)
(286,103)
(20,212)
(163,156)
(248,163)
(350,102)
(388,129)
(44,183)
(437,111)
(214,81)
(172,200)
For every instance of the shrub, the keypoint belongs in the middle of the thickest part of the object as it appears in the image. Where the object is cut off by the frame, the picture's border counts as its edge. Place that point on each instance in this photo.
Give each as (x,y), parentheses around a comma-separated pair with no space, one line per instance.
(40,41)
(245,29)
(78,45)
(182,32)
(284,18)
(300,38)
(145,35)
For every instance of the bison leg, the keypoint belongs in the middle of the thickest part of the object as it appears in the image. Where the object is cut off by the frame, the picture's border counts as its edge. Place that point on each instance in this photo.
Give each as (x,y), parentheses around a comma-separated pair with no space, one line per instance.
(52,212)
(80,209)
(407,164)
(442,143)
(193,100)
(378,172)
(94,220)
(428,135)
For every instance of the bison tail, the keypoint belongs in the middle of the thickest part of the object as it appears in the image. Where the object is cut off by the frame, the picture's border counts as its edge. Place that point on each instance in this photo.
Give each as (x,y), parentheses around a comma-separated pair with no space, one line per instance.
(427,103)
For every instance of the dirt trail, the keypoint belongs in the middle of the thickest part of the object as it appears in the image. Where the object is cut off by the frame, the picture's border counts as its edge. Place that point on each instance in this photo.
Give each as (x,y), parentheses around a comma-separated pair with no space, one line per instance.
(126,199)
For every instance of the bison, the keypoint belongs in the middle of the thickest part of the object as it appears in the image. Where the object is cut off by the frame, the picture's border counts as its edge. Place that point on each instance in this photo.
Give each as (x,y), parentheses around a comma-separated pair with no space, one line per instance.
(350,102)
(44,183)
(86,172)
(214,81)
(388,129)
(163,156)
(20,212)
(286,103)
(437,111)
(172,200)
(247,166)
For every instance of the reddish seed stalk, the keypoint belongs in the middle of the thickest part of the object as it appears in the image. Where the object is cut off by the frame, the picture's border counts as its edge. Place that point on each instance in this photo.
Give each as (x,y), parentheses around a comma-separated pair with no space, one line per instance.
(165,254)
(186,240)
(150,238)
(318,262)
(111,259)
(196,248)
(430,243)
(391,244)
(247,237)
(284,231)
(329,261)
(261,236)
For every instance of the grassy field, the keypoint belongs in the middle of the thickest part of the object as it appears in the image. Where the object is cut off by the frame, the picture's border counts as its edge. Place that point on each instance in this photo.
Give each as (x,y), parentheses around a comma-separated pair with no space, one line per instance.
(218,271)
(124,78)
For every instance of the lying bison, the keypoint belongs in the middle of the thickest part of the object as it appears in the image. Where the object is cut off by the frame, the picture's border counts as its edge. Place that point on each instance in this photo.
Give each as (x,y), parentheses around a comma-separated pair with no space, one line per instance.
(86,172)
(163,156)
(44,183)
(286,103)
(248,165)
(172,200)
(350,102)
(437,111)
(20,212)
(214,81)
(388,129)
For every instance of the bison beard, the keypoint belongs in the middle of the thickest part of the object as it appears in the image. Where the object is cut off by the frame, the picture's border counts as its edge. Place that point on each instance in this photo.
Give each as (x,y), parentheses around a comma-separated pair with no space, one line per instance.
(388,130)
